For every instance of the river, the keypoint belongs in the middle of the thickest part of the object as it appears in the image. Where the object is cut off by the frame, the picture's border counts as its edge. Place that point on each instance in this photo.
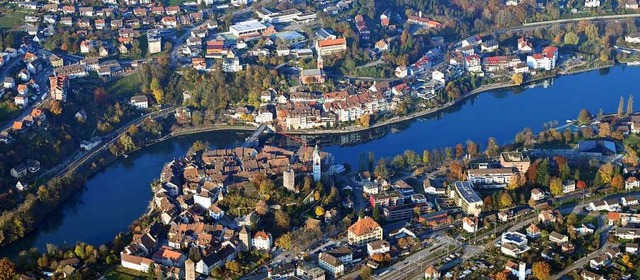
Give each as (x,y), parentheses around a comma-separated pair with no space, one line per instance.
(120,193)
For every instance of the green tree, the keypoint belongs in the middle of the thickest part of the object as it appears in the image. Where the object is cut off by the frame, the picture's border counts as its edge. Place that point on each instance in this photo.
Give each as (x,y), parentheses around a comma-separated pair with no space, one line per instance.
(365,273)
(492,147)
(505,200)
(381,169)
(282,220)
(285,241)
(572,219)
(621,107)
(126,142)
(571,39)
(543,172)
(630,105)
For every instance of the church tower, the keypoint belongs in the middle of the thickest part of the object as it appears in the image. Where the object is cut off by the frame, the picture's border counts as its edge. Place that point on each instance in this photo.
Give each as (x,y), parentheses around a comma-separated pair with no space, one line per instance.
(317,164)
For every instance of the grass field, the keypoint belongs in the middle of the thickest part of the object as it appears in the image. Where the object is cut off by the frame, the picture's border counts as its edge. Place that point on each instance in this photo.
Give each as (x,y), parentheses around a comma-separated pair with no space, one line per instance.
(8,21)
(124,87)
(121,273)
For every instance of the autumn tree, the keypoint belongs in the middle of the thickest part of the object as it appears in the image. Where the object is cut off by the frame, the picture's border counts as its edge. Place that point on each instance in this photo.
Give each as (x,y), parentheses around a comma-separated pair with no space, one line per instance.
(556,186)
(319,211)
(457,170)
(516,181)
(56,107)
(285,241)
(584,118)
(7,269)
(571,38)
(563,167)
(604,129)
(517,79)
(541,270)
(365,273)
(572,219)
(501,276)
(606,173)
(381,169)
(472,148)
(581,185)
(156,89)
(365,120)
(261,207)
(505,200)
(426,157)
(282,220)
(233,266)
(617,182)
(630,105)
(492,147)
(459,151)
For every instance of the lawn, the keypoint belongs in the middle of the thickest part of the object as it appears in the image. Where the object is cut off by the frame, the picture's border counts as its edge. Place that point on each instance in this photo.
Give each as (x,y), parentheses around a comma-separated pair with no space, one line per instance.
(125,87)
(8,111)
(8,21)
(121,273)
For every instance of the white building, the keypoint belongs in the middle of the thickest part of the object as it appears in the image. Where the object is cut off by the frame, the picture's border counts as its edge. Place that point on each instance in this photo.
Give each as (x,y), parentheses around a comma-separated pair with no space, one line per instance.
(469,225)
(591,3)
(262,241)
(249,28)
(378,247)
(545,60)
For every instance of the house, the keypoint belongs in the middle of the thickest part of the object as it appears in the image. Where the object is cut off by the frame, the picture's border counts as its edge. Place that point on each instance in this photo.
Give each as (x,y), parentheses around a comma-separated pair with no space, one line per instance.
(470,225)
(568,186)
(558,238)
(282,271)
(262,241)
(547,216)
(86,11)
(21,100)
(56,61)
(588,275)
(431,273)
(21,185)
(88,145)
(331,264)
(629,200)
(363,231)
(599,261)
(140,101)
(215,259)
(518,270)
(466,197)
(9,83)
(489,46)
(378,247)
(215,212)
(135,262)
(633,38)
(626,233)
(513,244)
(382,46)
(591,3)
(582,229)
(19,171)
(630,4)
(401,71)
(524,45)
(490,176)
(631,248)
(631,183)
(533,231)
(472,63)
(169,257)
(537,194)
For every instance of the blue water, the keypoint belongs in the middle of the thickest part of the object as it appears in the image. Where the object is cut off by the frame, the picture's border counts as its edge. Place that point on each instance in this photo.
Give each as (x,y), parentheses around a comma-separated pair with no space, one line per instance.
(120,193)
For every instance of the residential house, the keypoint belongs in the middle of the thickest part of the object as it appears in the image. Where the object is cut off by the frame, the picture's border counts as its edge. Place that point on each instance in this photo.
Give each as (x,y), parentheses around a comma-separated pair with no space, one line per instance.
(545,60)
(330,46)
(632,183)
(331,264)
(630,4)
(537,194)
(470,225)
(140,101)
(135,262)
(524,45)
(558,238)
(533,231)
(378,247)
(591,3)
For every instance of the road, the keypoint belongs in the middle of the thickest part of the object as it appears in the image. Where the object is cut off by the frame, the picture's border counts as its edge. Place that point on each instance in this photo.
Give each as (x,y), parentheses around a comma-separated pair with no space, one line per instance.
(74,162)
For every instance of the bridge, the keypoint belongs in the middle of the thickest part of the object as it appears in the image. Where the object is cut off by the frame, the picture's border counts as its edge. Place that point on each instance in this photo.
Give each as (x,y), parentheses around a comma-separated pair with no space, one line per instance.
(254,140)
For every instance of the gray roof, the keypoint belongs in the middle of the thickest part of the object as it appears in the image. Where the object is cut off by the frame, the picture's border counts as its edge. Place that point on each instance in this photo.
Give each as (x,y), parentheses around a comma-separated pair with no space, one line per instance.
(465,189)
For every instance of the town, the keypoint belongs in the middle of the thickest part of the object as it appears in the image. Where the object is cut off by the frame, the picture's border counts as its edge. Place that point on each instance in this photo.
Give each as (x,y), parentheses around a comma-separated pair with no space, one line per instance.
(85,84)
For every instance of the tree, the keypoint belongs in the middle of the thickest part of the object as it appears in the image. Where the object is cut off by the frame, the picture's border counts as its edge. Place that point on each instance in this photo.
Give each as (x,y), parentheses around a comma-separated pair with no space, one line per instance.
(621,107)
(572,219)
(505,200)
(556,186)
(472,148)
(584,118)
(381,169)
(285,241)
(541,270)
(261,207)
(156,88)
(501,276)
(457,170)
(571,38)
(365,273)
(606,173)
(7,269)
(282,220)
(376,213)
(604,130)
(492,147)
(630,105)
(319,211)
(56,107)
(517,79)
(617,182)
(581,185)
(365,120)
(459,151)
(126,142)
(426,157)
(233,266)
(543,172)
(516,181)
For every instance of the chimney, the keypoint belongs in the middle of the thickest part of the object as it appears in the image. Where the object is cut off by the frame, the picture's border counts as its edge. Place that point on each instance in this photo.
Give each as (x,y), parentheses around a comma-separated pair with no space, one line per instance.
(522,271)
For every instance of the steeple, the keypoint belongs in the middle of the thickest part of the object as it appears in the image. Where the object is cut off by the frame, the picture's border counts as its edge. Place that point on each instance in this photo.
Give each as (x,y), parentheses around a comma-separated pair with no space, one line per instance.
(320,62)
(317,164)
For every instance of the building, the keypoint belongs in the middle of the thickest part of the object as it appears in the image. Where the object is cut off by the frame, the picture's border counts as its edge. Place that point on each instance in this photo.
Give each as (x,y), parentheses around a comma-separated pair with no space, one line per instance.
(568,186)
(331,264)
(633,38)
(546,60)
(134,262)
(632,183)
(378,247)
(630,4)
(317,164)
(533,231)
(490,176)
(591,3)
(466,197)
(558,238)
(262,241)
(140,101)
(470,225)
(289,180)
(363,231)
(431,273)
(516,160)
(245,239)
(155,45)
(331,46)
(56,61)
(513,244)
(250,28)
(189,270)
(58,87)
